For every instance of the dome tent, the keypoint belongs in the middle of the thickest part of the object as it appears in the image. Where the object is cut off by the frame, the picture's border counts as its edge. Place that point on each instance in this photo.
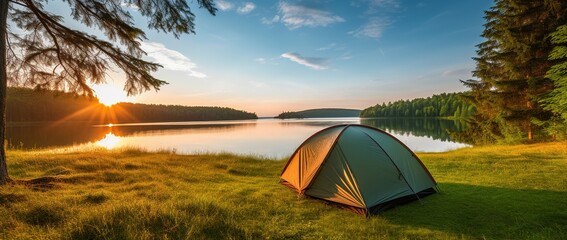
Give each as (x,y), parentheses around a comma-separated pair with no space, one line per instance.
(358,167)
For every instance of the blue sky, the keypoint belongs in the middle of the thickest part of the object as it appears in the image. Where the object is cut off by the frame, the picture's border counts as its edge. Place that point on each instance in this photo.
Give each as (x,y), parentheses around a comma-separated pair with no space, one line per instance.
(272,56)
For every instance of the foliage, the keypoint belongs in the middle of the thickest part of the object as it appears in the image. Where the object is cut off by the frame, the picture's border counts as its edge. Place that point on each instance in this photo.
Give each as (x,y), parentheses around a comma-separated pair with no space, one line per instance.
(446,105)
(27,105)
(45,52)
(556,101)
(287,115)
(504,192)
(320,113)
(511,66)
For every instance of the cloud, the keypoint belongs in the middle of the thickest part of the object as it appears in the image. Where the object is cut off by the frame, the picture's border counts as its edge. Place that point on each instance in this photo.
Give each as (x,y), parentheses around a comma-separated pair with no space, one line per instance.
(457,72)
(296,16)
(372,29)
(171,59)
(246,8)
(224,5)
(383,4)
(311,62)
(378,11)
(260,60)
(375,6)
(275,19)
(328,47)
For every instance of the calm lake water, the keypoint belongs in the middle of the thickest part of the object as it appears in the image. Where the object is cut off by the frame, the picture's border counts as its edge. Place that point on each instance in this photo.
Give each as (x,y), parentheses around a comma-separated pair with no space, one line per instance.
(272,138)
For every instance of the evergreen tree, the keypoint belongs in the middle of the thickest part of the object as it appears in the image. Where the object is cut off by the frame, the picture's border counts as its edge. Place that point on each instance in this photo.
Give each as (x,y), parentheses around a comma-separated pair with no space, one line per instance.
(556,101)
(511,66)
(40,50)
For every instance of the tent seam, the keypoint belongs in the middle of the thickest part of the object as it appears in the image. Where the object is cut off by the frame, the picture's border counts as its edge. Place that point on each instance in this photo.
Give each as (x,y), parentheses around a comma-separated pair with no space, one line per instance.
(395,165)
(406,147)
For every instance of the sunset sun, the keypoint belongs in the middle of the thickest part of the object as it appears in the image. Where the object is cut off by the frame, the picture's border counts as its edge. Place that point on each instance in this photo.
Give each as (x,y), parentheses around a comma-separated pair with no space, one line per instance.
(109,94)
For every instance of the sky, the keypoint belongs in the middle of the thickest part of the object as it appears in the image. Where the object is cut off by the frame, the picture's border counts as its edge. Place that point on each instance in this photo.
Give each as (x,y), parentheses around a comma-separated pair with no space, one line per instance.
(273,56)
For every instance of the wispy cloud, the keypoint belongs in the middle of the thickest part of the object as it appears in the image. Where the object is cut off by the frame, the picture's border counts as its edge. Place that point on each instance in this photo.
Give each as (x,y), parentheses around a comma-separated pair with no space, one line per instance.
(374,6)
(328,47)
(171,59)
(224,5)
(377,12)
(295,16)
(457,72)
(275,19)
(372,29)
(246,8)
(311,62)
(260,60)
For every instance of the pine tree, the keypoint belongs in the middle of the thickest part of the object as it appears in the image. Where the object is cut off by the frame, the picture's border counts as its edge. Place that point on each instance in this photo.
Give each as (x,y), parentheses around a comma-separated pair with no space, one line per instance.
(512,63)
(40,50)
(556,101)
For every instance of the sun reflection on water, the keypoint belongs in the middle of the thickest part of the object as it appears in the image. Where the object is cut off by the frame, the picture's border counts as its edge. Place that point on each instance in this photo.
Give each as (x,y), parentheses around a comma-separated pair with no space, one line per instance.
(109,141)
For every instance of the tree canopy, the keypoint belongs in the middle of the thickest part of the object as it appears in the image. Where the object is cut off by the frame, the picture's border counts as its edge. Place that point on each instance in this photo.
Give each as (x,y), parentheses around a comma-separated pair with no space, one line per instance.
(445,105)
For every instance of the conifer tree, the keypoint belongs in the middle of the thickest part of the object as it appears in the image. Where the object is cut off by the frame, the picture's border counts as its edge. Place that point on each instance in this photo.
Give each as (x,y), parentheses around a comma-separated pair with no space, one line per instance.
(512,63)
(39,49)
(556,101)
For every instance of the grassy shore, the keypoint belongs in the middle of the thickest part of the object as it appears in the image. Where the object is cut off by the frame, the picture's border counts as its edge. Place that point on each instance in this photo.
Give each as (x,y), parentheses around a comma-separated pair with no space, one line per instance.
(502,192)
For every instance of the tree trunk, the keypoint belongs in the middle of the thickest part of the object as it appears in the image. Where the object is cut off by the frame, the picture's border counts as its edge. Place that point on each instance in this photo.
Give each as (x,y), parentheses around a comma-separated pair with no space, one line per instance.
(3,82)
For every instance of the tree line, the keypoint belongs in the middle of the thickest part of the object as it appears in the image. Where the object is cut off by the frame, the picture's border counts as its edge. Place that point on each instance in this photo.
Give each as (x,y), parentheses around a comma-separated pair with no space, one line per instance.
(520,84)
(445,105)
(28,105)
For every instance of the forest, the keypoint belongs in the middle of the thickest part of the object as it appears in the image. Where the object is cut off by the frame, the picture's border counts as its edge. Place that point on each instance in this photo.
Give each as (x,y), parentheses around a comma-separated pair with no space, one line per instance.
(445,105)
(29,105)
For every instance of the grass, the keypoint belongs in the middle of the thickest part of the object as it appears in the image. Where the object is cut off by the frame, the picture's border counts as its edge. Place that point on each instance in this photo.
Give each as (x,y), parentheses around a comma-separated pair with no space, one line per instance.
(500,192)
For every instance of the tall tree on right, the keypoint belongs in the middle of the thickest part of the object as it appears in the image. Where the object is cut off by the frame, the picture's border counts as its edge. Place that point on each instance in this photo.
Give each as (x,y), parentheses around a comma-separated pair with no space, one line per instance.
(511,67)
(556,101)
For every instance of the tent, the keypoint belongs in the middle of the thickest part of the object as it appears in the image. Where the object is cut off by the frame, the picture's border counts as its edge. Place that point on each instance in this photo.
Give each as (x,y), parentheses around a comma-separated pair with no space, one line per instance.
(357,167)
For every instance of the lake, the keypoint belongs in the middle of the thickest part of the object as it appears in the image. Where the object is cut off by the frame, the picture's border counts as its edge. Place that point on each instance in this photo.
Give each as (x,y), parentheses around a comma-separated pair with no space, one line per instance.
(273,138)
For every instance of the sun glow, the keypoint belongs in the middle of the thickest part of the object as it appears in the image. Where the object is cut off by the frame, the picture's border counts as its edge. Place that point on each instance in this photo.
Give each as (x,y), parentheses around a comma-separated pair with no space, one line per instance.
(109,141)
(109,94)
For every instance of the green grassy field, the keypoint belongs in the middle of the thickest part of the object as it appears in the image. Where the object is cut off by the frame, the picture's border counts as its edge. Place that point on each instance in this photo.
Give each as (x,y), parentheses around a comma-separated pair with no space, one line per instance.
(502,192)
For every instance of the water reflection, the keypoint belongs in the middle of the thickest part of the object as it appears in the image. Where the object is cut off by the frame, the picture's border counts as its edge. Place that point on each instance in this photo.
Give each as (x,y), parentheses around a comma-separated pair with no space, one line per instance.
(437,129)
(109,141)
(45,135)
(267,137)
(175,128)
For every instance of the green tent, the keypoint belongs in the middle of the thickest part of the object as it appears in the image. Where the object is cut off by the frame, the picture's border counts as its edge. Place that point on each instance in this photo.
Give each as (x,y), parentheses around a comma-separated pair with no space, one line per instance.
(358,167)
